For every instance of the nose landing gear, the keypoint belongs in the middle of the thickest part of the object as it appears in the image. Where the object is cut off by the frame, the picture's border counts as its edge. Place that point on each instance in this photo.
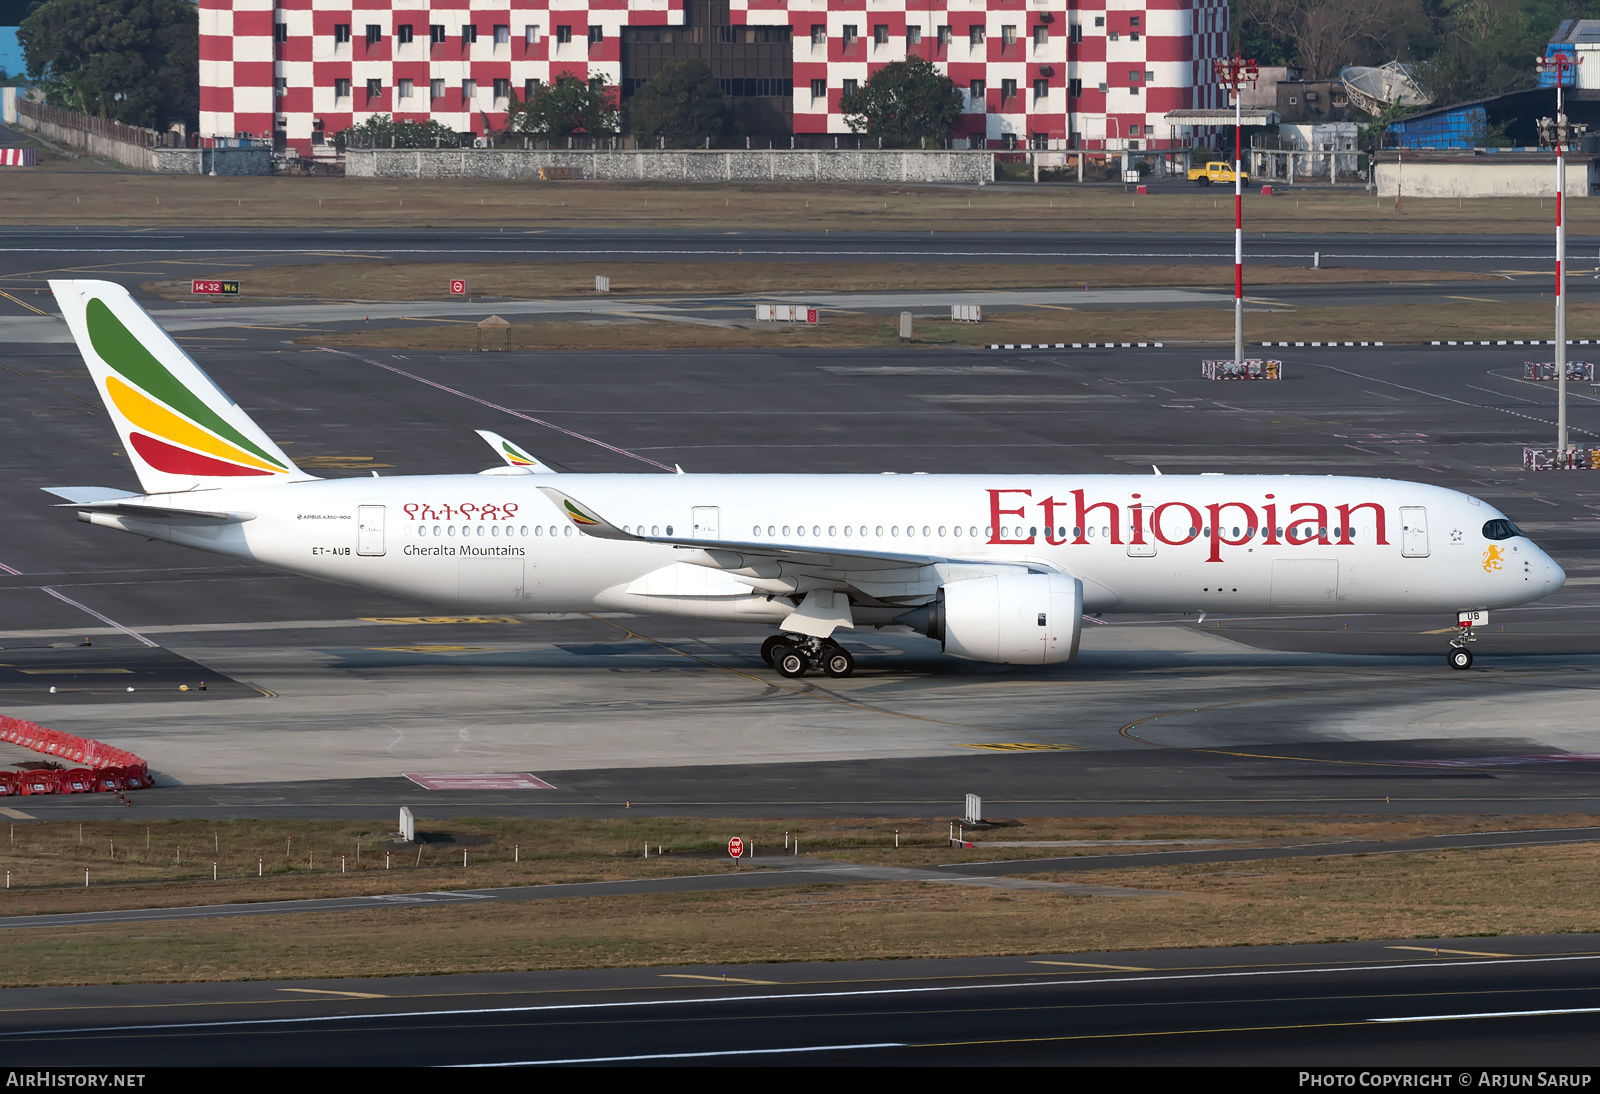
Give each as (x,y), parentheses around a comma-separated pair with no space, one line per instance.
(795,655)
(1460,657)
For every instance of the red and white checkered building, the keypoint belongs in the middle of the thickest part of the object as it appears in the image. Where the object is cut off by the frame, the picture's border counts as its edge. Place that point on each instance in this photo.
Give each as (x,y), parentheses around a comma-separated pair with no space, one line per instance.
(1095,74)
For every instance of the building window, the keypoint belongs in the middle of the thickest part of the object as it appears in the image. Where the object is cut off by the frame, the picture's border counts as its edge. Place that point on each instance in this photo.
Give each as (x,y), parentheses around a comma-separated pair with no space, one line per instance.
(819,90)
(402,34)
(280,85)
(880,34)
(436,34)
(1008,37)
(1041,90)
(1133,75)
(502,34)
(530,34)
(597,35)
(280,32)
(403,89)
(1149,75)
(374,34)
(1099,20)
(374,90)
(435,89)
(563,35)
(469,92)
(341,32)
(975,93)
(1133,130)
(913,36)
(1102,85)
(1133,89)
(1114,36)
(975,36)
(1075,32)
(1133,20)
(851,33)
(819,34)
(946,35)
(1041,37)
(502,91)
(1074,88)
(469,34)
(850,87)
(341,89)
(1008,90)
(1134,36)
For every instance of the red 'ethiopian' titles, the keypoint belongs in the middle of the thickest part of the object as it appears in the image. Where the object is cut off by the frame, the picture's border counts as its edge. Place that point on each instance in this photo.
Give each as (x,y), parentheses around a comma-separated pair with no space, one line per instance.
(1292,523)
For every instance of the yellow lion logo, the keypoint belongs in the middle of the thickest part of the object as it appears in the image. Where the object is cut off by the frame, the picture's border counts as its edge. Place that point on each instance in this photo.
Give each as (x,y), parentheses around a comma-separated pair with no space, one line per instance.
(1492,559)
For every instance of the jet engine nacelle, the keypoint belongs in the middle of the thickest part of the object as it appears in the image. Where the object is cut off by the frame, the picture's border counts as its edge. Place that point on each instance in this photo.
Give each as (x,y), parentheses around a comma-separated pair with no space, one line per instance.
(1008,619)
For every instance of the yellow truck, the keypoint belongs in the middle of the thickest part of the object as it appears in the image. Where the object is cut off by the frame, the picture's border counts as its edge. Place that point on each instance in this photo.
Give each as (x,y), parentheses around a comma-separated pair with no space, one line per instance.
(1215,171)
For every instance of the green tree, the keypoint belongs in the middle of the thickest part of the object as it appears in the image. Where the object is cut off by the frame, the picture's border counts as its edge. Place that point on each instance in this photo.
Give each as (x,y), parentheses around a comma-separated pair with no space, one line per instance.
(903,103)
(382,131)
(683,100)
(565,107)
(134,61)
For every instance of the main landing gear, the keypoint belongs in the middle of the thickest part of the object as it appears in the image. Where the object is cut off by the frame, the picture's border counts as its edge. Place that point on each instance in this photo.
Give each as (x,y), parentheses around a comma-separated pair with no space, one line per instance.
(1460,656)
(794,655)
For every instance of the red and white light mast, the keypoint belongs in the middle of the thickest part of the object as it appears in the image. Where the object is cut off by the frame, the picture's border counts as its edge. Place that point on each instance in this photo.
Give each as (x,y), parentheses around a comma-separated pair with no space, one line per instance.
(1564,68)
(1235,74)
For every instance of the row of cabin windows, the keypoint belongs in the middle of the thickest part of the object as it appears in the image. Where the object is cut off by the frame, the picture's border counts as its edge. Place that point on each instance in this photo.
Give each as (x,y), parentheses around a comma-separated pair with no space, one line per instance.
(405,34)
(1300,529)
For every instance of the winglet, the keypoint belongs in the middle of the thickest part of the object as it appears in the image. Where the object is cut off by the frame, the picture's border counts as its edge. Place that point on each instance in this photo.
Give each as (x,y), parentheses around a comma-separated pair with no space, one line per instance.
(583,517)
(513,455)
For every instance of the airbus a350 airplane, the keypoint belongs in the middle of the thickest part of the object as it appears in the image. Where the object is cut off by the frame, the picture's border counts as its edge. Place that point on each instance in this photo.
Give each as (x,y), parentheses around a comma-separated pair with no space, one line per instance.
(997,568)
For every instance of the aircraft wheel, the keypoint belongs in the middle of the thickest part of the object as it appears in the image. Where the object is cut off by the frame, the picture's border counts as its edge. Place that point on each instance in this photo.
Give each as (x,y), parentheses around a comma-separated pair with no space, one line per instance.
(1460,658)
(769,648)
(790,662)
(838,663)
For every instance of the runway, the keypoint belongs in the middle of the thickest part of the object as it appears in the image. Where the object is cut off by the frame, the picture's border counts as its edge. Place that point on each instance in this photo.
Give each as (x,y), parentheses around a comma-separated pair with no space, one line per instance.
(320,698)
(1500,1002)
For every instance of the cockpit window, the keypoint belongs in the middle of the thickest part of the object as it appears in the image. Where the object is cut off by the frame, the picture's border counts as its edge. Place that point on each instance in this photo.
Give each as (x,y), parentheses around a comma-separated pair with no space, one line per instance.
(1500,529)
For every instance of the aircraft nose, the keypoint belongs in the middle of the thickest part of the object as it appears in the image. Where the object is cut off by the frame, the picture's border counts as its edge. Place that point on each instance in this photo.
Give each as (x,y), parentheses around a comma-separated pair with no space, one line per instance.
(1555,576)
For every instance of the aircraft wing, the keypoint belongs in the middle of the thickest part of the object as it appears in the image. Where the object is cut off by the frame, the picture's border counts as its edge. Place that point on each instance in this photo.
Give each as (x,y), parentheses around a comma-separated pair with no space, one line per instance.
(791,568)
(102,499)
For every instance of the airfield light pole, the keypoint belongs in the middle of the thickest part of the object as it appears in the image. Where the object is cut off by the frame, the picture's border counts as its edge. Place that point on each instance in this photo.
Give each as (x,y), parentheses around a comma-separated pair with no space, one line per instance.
(1234,74)
(1563,67)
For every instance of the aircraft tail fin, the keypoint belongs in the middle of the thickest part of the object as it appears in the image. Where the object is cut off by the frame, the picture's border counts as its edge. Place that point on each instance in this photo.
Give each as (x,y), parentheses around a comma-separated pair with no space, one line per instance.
(512,454)
(179,429)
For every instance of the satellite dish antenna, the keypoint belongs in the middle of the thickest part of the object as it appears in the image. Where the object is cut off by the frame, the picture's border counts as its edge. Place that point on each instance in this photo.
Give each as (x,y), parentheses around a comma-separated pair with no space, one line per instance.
(1376,89)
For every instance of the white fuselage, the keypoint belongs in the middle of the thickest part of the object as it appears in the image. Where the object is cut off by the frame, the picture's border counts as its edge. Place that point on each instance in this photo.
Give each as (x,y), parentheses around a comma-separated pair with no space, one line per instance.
(1174,543)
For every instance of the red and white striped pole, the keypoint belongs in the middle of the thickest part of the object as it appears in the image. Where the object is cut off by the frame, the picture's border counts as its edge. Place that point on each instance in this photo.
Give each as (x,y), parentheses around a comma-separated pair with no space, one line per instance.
(1234,74)
(1563,67)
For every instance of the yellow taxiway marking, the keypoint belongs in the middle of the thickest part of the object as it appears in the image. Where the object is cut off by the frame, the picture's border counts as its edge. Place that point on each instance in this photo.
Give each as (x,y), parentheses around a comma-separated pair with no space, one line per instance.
(1020,746)
(70,672)
(1458,953)
(716,979)
(1087,965)
(342,994)
(1475,299)
(17,814)
(1442,630)
(23,304)
(1053,307)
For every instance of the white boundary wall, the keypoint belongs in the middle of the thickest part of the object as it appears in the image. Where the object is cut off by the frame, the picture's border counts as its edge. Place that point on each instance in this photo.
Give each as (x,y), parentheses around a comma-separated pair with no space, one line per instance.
(1484,178)
(763,165)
